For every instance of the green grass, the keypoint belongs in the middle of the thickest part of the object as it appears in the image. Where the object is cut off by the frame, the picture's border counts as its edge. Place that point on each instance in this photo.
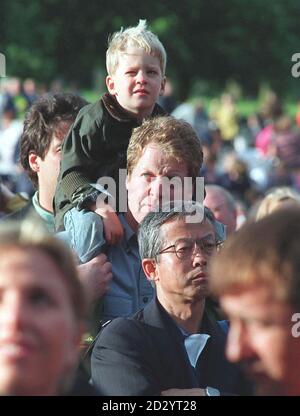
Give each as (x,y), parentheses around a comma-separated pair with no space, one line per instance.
(244,107)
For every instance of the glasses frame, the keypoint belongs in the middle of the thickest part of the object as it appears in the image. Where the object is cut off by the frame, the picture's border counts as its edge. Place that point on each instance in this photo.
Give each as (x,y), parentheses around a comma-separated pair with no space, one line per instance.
(198,245)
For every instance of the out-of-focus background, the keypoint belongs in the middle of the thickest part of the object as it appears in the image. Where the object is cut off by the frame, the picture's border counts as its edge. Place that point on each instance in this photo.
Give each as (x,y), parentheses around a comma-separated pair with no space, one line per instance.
(230,73)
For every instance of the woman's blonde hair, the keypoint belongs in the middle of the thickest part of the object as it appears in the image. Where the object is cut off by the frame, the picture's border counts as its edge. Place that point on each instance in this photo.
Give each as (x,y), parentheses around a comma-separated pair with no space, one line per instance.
(274,199)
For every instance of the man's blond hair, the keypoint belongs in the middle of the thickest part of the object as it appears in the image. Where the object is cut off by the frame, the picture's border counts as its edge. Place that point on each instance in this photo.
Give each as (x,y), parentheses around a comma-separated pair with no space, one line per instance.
(176,139)
(137,37)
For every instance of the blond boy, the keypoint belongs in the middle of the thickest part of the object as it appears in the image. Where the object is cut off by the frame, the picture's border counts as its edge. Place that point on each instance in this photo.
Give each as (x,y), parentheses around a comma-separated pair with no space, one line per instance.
(96,145)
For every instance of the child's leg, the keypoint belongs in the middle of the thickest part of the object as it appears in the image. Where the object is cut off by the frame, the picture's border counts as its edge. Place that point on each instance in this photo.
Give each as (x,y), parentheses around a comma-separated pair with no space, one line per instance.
(85,229)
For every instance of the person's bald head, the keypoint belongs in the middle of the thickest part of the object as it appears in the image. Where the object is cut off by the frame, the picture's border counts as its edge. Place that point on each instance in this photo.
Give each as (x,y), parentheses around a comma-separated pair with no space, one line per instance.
(223,206)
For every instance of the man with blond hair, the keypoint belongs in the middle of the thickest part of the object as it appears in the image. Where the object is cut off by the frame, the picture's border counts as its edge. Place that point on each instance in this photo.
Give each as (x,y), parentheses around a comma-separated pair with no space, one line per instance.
(163,159)
(257,277)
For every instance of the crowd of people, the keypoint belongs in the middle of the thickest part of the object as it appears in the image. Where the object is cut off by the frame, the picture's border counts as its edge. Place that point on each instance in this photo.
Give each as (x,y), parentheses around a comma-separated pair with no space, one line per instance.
(182,287)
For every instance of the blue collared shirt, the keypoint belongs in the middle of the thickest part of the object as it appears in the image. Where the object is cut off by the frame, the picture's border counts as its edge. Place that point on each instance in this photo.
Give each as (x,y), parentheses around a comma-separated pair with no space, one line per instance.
(47,216)
(129,290)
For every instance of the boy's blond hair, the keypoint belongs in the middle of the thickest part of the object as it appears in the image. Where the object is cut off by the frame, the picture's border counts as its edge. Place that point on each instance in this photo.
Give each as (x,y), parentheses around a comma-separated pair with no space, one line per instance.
(137,36)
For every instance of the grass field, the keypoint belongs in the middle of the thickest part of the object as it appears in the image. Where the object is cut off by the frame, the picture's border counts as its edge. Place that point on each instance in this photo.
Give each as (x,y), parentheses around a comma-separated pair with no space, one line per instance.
(245,107)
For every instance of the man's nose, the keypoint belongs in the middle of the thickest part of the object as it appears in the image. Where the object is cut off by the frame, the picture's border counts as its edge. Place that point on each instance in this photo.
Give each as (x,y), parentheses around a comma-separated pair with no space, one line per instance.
(12,313)
(156,187)
(199,257)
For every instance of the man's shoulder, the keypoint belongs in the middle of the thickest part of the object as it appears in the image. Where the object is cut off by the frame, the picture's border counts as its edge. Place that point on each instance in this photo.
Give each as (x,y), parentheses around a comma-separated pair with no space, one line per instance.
(121,333)
(124,324)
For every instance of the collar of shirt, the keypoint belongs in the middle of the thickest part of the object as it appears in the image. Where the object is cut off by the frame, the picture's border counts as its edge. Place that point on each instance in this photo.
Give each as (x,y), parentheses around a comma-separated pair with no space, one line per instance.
(130,237)
(119,113)
(47,216)
(194,345)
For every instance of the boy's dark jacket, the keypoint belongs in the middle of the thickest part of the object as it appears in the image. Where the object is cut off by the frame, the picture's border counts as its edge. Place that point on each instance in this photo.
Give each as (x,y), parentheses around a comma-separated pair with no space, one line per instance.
(95,147)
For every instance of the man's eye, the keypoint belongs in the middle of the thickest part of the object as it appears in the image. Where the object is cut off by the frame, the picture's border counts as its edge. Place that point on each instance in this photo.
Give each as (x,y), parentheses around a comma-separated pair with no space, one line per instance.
(184,248)
(146,175)
(40,298)
(209,246)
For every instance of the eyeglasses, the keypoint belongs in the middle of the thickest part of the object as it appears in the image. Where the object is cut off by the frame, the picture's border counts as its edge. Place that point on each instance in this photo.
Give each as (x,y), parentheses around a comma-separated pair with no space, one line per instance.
(185,248)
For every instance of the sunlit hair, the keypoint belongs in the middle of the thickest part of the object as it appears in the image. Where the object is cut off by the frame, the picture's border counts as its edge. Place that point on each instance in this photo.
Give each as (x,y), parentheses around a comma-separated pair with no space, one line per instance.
(134,37)
(175,138)
(275,198)
(31,234)
(266,252)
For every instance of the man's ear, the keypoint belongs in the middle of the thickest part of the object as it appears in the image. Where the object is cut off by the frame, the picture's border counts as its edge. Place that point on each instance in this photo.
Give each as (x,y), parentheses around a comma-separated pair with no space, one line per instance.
(33,161)
(150,269)
(162,87)
(110,84)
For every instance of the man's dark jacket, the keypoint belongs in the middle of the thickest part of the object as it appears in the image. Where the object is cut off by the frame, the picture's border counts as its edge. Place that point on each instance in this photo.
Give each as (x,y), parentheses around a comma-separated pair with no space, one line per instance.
(145,355)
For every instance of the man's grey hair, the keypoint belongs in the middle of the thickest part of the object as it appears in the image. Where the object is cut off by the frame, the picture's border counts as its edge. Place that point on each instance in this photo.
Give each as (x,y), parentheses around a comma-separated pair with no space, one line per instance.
(149,235)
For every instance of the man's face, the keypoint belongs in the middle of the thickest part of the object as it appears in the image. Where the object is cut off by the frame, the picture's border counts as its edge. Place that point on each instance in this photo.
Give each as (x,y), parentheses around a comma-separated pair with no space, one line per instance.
(219,206)
(48,167)
(145,184)
(260,337)
(38,332)
(137,82)
(183,280)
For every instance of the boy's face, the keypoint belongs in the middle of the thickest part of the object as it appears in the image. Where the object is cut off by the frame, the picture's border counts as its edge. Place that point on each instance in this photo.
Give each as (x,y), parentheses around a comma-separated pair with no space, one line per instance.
(137,82)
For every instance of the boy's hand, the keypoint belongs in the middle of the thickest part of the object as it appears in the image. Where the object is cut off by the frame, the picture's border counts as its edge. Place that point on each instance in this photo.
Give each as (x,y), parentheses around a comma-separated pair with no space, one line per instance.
(113,229)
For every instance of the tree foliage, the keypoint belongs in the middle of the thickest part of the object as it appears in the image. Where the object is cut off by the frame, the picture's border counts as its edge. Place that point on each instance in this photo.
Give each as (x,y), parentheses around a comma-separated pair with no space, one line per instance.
(250,41)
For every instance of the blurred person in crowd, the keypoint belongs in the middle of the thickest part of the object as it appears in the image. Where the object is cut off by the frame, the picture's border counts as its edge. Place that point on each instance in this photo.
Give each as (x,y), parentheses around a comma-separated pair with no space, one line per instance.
(9,139)
(286,148)
(227,119)
(29,91)
(223,206)
(10,202)
(235,177)
(271,110)
(174,342)
(257,279)
(167,99)
(277,198)
(14,99)
(42,314)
